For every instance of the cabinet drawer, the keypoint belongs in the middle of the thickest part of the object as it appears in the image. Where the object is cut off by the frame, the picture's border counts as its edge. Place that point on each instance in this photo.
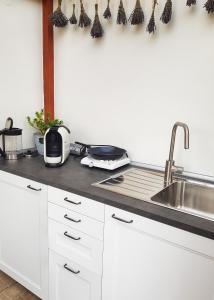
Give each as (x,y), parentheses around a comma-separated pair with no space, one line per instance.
(68,280)
(76,221)
(76,246)
(77,203)
(31,186)
(159,230)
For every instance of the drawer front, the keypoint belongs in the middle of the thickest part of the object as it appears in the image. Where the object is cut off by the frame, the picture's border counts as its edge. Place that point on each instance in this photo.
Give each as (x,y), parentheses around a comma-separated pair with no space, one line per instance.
(23,183)
(77,203)
(68,280)
(76,221)
(76,246)
(162,231)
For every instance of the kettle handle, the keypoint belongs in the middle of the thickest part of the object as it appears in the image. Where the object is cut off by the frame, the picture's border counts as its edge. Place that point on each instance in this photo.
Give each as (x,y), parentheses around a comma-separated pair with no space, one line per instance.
(2,152)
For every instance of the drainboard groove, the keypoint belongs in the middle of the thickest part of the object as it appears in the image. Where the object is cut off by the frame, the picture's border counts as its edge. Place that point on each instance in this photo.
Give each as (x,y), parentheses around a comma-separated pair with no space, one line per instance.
(144,181)
(136,183)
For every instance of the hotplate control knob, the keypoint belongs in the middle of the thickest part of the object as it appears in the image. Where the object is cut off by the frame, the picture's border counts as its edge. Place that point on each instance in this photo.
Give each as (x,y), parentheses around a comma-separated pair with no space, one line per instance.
(91,164)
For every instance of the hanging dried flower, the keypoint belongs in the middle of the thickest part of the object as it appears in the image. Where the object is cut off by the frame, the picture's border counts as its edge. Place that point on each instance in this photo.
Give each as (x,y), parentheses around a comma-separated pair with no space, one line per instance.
(190,2)
(137,16)
(121,15)
(209,6)
(96,30)
(107,12)
(84,20)
(73,19)
(167,12)
(57,18)
(152,26)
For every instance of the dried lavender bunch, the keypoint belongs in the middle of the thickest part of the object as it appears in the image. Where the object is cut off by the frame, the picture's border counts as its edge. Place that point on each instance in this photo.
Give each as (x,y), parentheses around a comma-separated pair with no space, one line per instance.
(190,2)
(84,20)
(57,18)
(209,6)
(151,27)
(73,19)
(167,12)
(107,12)
(96,30)
(137,16)
(121,15)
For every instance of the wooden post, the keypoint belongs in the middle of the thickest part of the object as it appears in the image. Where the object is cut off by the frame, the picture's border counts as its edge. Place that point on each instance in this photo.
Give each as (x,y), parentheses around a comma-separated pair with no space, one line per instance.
(48,58)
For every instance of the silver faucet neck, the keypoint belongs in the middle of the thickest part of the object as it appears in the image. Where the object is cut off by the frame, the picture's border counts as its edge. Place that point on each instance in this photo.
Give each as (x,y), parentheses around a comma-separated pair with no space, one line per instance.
(186,138)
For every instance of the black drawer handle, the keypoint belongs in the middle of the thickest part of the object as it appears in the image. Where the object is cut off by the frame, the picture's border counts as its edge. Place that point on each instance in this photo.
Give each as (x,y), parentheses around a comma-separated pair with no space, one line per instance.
(122,220)
(67,200)
(34,189)
(70,219)
(70,270)
(71,237)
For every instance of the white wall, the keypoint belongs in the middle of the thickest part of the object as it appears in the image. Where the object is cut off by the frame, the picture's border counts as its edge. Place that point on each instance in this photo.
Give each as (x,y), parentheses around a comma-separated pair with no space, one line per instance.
(20,62)
(129,88)
(126,89)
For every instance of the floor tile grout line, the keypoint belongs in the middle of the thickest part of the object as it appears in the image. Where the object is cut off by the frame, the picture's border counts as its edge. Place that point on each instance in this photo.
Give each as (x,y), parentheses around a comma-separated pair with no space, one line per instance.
(7,287)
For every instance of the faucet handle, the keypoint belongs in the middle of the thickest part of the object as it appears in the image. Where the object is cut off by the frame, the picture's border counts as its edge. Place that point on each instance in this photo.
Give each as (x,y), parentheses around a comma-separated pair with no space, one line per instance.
(177,169)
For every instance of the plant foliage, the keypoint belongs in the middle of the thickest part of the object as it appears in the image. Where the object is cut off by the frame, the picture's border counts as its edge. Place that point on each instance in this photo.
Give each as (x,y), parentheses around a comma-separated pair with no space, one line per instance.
(40,123)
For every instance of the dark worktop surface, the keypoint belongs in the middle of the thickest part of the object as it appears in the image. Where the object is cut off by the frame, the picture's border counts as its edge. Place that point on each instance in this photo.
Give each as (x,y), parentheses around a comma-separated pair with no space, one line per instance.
(77,179)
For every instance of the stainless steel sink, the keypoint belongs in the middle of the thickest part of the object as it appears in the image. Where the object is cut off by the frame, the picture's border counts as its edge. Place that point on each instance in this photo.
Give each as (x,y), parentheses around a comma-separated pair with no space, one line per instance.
(185,196)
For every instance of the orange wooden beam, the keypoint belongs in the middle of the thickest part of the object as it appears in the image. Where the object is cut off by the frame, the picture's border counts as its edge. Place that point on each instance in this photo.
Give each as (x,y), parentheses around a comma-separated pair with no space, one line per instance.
(48,58)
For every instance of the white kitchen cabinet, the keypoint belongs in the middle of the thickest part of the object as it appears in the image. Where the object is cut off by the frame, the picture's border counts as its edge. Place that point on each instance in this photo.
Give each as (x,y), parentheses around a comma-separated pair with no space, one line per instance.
(69,280)
(75,246)
(23,232)
(144,259)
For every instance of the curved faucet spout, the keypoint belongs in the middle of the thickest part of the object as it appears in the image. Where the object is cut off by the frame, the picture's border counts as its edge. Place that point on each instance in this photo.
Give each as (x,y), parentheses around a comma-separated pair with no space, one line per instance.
(186,138)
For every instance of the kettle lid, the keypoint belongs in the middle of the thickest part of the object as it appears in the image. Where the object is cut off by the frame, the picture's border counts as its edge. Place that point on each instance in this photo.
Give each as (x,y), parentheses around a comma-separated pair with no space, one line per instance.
(12,131)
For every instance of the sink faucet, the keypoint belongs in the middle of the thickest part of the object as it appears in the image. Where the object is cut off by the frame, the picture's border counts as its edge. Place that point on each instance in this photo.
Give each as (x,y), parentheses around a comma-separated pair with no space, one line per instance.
(170,167)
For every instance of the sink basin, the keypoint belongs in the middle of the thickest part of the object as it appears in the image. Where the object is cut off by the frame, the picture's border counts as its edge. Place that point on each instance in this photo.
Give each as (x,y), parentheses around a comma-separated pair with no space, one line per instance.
(185,196)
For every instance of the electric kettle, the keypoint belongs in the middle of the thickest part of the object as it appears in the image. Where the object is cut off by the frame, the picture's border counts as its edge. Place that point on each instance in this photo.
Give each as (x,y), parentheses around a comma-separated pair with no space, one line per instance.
(11,141)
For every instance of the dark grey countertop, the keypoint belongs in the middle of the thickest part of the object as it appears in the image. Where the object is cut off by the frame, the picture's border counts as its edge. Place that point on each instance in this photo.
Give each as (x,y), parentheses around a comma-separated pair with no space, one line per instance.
(77,179)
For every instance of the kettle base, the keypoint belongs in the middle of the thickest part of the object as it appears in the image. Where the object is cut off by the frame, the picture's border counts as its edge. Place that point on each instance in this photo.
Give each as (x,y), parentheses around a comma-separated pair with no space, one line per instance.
(13,156)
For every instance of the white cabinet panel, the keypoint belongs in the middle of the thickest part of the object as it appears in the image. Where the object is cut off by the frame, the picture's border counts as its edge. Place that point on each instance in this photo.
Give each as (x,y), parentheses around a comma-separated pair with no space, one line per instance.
(76,246)
(23,232)
(69,280)
(145,264)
